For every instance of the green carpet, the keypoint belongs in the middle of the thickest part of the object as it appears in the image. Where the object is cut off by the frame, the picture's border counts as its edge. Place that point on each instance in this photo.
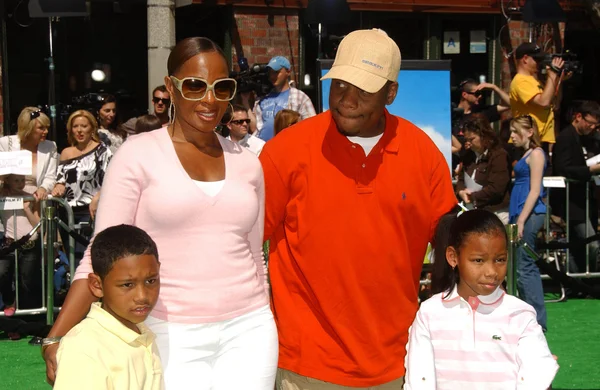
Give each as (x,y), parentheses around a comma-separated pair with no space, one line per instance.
(574,336)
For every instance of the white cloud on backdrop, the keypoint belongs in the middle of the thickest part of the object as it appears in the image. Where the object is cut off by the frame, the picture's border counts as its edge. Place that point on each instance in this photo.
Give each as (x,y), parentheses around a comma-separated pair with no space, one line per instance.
(443,144)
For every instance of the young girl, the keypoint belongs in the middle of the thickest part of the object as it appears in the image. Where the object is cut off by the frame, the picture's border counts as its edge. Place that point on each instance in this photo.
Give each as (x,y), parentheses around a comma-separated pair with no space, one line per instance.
(527,210)
(471,334)
(30,277)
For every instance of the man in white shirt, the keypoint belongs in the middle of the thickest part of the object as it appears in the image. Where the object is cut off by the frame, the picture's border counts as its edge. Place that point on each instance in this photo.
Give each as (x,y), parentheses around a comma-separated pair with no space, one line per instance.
(238,130)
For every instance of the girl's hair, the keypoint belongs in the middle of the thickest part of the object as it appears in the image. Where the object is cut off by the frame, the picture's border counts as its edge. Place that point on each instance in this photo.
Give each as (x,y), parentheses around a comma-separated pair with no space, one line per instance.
(188,48)
(27,120)
(452,231)
(147,123)
(479,125)
(93,123)
(526,123)
(285,118)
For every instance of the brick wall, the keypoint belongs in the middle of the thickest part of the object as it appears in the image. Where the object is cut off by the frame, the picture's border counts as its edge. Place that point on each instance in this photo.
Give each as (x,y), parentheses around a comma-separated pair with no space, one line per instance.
(261,34)
(549,37)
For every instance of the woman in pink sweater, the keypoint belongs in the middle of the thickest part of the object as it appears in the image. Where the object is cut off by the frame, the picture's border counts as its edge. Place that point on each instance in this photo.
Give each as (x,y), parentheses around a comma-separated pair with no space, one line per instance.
(201,198)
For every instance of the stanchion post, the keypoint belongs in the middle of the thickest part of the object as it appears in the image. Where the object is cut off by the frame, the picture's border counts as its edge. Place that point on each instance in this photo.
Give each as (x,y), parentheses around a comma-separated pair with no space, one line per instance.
(587,226)
(49,213)
(511,274)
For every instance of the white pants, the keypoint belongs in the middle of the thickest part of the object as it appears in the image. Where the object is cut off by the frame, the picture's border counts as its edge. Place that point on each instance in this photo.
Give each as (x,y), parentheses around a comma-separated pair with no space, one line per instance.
(240,353)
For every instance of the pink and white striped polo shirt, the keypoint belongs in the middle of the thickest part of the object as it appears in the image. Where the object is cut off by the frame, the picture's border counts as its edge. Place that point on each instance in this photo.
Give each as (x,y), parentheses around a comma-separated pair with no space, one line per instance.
(490,342)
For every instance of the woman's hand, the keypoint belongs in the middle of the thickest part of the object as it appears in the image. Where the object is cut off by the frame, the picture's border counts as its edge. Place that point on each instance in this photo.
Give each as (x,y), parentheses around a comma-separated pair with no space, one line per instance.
(49,355)
(40,194)
(465,195)
(59,190)
(94,205)
(520,228)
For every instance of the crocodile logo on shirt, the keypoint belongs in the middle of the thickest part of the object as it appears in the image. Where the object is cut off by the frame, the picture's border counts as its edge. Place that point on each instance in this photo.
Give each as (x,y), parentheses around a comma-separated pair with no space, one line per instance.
(494,337)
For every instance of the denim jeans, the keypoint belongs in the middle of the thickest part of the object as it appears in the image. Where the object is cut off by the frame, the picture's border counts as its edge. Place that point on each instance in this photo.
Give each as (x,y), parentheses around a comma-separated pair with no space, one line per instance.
(30,278)
(529,281)
(580,231)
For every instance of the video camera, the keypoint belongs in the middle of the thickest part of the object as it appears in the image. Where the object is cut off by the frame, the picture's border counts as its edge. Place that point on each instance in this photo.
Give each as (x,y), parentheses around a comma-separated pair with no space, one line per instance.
(570,59)
(255,78)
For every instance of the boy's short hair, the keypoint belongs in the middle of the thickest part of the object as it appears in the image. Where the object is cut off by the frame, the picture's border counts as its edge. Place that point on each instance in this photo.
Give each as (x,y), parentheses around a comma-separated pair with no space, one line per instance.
(117,242)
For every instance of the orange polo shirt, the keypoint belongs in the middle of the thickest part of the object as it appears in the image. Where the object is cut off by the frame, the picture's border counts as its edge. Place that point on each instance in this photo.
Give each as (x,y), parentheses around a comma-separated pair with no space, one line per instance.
(348,237)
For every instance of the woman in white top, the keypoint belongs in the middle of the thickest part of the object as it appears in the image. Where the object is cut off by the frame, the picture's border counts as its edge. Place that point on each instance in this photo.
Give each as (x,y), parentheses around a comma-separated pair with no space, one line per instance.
(33,127)
(109,130)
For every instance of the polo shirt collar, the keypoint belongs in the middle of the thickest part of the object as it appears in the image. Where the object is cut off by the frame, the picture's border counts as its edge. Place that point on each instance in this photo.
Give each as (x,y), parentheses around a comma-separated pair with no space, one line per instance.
(390,139)
(114,326)
(474,302)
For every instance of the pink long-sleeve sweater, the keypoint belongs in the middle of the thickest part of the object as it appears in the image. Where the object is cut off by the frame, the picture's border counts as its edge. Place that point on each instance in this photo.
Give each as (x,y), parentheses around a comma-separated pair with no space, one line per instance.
(210,248)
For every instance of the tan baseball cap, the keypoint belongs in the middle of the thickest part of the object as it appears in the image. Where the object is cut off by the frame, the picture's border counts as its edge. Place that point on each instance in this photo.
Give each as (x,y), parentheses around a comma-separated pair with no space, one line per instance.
(366,59)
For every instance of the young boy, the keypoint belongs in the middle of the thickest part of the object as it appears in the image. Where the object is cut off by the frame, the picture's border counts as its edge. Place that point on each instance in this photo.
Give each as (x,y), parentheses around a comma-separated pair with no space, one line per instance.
(111,348)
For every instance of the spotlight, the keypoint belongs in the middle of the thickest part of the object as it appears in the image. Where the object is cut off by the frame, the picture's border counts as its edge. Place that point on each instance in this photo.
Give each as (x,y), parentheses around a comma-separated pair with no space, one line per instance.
(98,75)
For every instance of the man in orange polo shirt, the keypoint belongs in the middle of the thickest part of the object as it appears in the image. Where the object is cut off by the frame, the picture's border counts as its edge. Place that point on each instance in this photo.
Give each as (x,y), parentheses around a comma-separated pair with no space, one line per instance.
(353,196)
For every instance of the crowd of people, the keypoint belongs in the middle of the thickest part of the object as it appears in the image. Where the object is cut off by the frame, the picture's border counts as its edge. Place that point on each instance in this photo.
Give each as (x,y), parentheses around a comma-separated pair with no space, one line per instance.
(174,288)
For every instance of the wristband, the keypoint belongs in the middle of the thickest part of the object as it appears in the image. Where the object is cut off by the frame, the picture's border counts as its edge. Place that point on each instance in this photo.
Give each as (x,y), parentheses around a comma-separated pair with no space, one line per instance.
(555,69)
(48,341)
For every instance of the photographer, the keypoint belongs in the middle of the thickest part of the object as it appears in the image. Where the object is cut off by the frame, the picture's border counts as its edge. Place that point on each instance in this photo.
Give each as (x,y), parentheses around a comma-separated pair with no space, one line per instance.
(528,97)
(282,96)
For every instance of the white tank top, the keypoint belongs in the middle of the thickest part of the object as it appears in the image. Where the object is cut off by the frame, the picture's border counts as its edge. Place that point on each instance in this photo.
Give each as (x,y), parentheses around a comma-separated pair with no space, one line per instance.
(210,188)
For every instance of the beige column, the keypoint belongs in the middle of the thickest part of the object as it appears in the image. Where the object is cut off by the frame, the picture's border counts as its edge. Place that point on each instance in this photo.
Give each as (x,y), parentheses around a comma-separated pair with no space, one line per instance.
(161,39)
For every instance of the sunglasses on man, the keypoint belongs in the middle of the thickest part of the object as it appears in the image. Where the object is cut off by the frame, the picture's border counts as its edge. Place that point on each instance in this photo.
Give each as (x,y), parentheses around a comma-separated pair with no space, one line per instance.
(195,88)
(164,101)
(241,121)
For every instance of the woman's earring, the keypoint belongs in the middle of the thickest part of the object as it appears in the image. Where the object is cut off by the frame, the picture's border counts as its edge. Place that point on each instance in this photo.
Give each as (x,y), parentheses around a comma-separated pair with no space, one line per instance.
(172,112)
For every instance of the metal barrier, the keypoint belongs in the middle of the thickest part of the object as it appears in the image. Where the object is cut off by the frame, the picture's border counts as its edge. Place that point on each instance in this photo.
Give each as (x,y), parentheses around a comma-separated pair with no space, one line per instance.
(48,228)
(551,182)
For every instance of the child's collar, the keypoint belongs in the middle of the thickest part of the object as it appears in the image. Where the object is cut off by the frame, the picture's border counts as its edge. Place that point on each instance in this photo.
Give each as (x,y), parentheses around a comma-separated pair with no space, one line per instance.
(474,302)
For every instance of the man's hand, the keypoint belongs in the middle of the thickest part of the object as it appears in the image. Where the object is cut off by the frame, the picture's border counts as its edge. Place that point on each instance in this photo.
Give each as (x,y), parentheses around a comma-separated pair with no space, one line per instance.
(595,169)
(483,86)
(555,68)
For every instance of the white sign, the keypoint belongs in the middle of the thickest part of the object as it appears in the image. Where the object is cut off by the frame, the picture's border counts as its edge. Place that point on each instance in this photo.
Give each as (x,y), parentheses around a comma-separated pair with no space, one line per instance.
(18,163)
(593,161)
(554,182)
(451,42)
(478,42)
(9,203)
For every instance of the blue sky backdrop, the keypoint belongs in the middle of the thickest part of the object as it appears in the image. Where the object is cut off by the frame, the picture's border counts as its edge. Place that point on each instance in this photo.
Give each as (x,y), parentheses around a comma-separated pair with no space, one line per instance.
(424,99)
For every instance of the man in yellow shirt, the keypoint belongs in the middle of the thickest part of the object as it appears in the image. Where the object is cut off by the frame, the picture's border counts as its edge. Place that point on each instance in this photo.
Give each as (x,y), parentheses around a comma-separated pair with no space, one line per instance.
(111,348)
(529,97)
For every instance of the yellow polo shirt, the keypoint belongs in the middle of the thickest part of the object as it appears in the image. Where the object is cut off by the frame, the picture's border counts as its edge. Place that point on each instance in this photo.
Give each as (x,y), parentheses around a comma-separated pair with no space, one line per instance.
(101,353)
(522,90)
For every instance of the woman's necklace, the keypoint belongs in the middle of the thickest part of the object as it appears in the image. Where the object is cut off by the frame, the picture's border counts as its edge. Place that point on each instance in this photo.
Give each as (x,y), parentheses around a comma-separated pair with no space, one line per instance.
(86,149)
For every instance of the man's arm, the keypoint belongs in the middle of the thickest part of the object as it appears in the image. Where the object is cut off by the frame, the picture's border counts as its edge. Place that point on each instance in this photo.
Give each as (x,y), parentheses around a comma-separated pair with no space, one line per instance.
(545,98)
(276,194)
(504,97)
(258,115)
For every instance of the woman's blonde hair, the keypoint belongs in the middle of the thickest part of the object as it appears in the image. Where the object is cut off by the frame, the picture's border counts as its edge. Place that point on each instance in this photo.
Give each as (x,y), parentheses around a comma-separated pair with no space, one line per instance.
(26,121)
(285,118)
(93,123)
(525,123)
